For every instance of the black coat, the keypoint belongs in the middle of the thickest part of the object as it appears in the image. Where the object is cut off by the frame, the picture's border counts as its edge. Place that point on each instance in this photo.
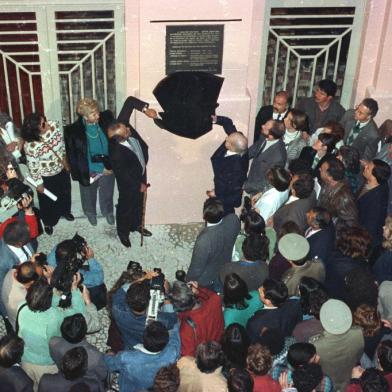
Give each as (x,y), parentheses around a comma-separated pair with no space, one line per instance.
(307,155)
(76,146)
(322,243)
(15,379)
(229,171)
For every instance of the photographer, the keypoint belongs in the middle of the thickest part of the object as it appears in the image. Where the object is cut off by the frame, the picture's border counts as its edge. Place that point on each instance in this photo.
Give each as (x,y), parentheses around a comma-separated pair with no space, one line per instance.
(91,270)
(129,310)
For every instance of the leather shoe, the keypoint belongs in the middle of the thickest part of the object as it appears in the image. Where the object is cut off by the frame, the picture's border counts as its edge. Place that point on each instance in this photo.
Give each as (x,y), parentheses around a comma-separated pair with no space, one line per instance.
(48,230)
(92,219)
(110,219)
(125,240)
(69,217)
(145,232)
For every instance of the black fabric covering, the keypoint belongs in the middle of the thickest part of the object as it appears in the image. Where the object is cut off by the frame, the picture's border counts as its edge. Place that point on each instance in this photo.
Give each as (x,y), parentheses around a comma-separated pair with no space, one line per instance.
(188,100)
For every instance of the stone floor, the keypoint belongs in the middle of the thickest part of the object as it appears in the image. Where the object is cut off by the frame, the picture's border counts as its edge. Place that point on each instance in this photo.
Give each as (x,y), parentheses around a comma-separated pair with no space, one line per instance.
(169,248)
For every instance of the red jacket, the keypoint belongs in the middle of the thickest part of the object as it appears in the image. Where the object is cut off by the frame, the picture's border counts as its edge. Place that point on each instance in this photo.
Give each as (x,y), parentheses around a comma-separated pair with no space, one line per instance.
(202,324)
(354,387)
(31,221)
(265,383)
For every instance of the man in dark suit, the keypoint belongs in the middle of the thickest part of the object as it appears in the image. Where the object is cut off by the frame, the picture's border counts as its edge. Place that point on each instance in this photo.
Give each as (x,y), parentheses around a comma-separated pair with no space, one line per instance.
(320,233)
(277,111)
(361,130)
(267,152)
(230,165)
(302,199)
(128,154)
(214,245)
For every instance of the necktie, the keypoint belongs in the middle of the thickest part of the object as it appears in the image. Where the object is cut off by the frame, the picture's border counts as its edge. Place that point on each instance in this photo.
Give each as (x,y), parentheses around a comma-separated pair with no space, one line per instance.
(135,147)
(25,252)
(353,134)
(316,160)
(279,118)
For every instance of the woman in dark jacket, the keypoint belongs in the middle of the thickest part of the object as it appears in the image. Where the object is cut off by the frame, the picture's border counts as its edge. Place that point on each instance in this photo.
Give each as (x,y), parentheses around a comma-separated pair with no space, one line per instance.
(87,148)
(383,266)
(353,247)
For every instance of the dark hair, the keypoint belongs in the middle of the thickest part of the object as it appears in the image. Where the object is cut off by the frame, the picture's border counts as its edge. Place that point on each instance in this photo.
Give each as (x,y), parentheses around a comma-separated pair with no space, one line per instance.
(213,210)
(372,106)
(361,288)
(384,354)
(235,342)
(354,242)
(300,354)
(16,233)
(39,296)
(239,380)
(235,292)
(259,359)
(74,363)
(11,350)
(307,377)
(299,166)
(30,129)
(277,130)
(372,380)
(328,86)
(289,227)
(25,272)
(303,186)
(368,318)
(155,337)
(313,295)
(381,171)
(138,296)
(182,297)
(62,280)
(253,222)
(66,252)
(74,328)
(328,140)
(336,128)
(276,291)
(167,379)
(335,168)
(209,356)
(322,218)
(279,178)
(351,159)
(255,247)
(299,120)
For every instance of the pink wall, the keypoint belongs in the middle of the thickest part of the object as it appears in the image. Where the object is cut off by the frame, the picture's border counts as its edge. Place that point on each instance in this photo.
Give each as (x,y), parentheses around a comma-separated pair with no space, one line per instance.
(179,169)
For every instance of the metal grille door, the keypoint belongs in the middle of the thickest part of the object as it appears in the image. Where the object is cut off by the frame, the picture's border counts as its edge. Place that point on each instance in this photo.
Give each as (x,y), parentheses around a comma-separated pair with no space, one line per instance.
(306,44)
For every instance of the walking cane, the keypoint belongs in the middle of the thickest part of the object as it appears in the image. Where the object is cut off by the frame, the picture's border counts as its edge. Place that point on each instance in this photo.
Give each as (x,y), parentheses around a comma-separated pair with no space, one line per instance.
(143,214)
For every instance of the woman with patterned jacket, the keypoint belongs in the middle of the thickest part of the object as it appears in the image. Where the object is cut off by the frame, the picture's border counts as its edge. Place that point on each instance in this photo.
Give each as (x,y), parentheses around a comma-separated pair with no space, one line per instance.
(45,153)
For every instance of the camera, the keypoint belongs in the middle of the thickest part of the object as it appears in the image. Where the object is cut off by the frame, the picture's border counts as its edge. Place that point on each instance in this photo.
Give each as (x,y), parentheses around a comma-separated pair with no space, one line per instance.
(134,266)
(157,295)
(80,243)
(41,259)
(102,158)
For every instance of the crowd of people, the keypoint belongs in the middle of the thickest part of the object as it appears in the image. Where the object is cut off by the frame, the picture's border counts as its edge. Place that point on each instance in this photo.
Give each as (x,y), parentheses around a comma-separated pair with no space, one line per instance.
(291,294)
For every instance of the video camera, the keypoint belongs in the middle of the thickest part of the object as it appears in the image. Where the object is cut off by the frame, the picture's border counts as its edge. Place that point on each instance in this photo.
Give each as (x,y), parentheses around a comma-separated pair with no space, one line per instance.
(12,191)
(102,158)
(157,295)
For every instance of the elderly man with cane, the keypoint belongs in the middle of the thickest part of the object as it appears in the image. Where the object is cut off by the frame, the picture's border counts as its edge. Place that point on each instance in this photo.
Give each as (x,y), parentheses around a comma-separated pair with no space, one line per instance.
(128,154)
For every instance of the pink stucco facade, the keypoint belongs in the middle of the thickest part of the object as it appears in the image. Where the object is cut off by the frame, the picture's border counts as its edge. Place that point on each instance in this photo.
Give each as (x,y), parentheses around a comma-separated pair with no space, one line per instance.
(179,169)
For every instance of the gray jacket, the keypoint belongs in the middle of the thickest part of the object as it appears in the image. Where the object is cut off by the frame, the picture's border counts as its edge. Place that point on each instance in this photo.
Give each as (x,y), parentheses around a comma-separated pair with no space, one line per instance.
(367,140)
(213,248)
(262,161)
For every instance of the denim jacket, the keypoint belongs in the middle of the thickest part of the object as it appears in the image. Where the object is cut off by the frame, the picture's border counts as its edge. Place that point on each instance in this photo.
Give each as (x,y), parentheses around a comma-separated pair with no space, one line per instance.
(137,369)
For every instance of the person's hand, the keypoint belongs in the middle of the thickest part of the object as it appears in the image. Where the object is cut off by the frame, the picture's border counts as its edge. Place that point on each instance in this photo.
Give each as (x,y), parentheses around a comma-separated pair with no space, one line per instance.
(107,172)
(283,381)
(152,113)
(76,280)
(211,193)
(40,188)
(357,372)
(86,295)
(364,162)
(255,198)
(150,274)
(387,323)
(143,187)
(11,147)
(25,204)
(47,271)
(194,286)
(88,253)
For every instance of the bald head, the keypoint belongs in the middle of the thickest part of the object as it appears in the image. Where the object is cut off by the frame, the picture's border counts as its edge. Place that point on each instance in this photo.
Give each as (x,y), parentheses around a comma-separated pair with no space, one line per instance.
(237,142)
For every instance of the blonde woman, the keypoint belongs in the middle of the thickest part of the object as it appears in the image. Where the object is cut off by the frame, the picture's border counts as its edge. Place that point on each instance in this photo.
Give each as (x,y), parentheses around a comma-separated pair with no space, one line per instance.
(45,153)
(87,150)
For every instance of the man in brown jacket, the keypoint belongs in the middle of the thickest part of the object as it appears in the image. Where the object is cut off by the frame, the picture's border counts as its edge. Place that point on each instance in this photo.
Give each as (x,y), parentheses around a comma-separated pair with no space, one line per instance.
(295,248)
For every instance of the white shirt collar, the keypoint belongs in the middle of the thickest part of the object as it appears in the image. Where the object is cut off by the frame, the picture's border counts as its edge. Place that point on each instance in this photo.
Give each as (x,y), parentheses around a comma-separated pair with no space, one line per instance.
(229,153)
(276,115)
(213,224)
(292,199)
(141,348)
(19,253)
(363,124)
